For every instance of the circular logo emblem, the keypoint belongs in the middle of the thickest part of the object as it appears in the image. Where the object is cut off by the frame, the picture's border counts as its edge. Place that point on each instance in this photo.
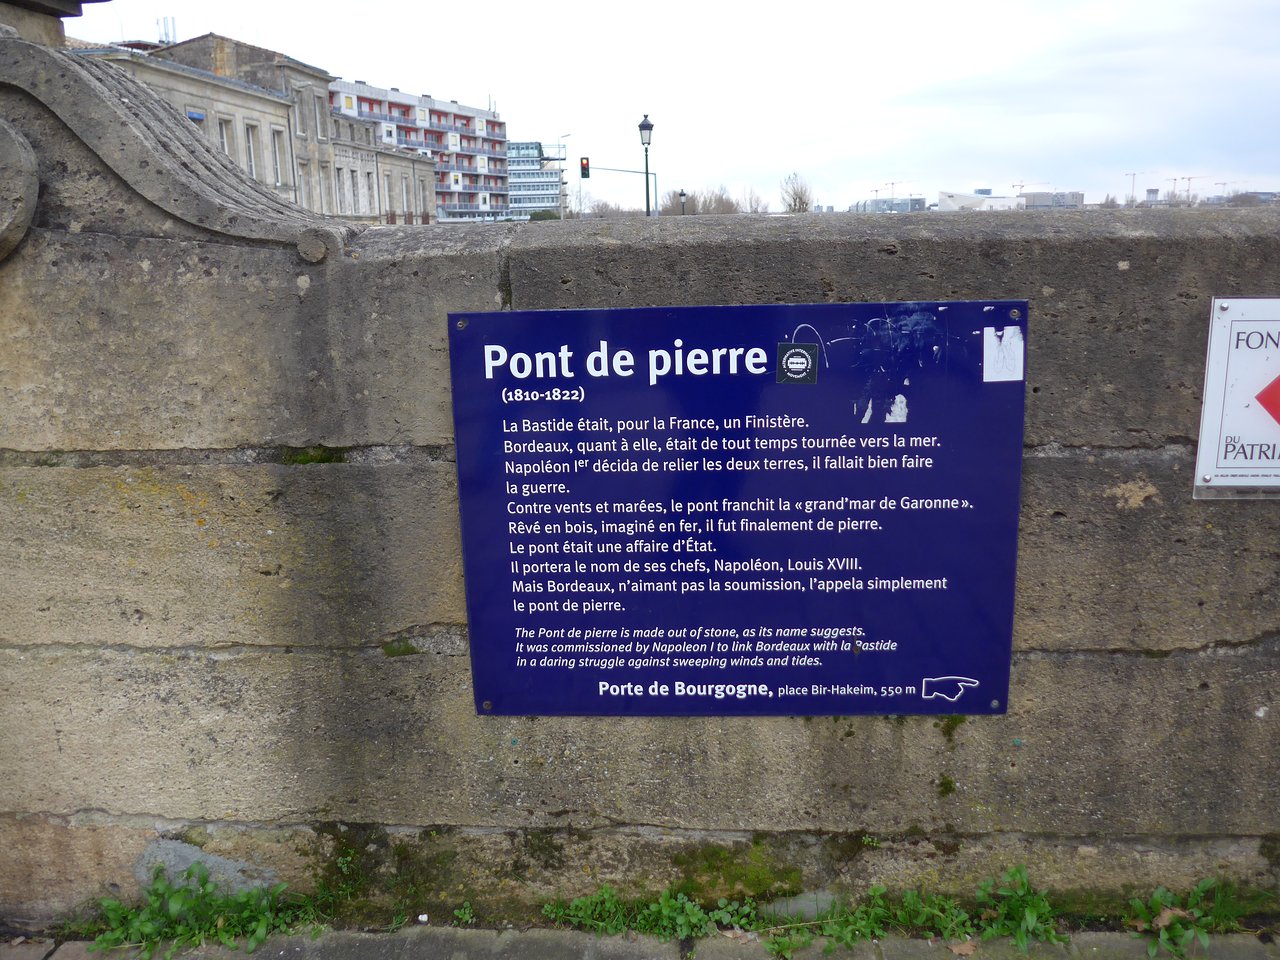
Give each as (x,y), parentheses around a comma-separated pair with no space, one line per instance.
(797,364)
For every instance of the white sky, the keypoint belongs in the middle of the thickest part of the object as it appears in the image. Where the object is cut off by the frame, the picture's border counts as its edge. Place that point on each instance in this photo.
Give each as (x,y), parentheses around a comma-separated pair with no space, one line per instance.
(933,94)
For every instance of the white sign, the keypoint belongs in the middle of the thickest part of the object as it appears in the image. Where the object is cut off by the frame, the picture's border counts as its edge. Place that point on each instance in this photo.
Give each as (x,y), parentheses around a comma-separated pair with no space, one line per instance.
(1239,453)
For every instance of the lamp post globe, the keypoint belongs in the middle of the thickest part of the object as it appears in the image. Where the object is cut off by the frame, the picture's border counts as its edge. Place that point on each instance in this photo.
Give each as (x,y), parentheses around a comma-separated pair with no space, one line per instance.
(646,135)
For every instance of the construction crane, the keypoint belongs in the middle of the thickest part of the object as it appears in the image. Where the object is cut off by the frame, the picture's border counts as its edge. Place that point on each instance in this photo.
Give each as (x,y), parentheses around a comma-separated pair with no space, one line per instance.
(1133,184)
(1200,176)
(893,183)
(1018,186)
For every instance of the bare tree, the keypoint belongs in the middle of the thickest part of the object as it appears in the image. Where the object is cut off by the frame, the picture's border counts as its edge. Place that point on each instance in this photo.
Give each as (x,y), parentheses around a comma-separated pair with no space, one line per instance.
(751,202)
(578,205)
(796,195)
(717,201)
(603,209)
(1244,200)
(1109,203)
(671,206)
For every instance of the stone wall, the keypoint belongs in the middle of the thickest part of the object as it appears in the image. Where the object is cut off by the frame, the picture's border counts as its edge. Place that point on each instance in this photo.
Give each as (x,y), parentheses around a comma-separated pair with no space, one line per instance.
(197,616)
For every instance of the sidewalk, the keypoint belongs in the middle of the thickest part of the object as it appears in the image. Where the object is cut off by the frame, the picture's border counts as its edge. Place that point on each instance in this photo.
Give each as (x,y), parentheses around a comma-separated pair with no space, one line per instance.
(448,943)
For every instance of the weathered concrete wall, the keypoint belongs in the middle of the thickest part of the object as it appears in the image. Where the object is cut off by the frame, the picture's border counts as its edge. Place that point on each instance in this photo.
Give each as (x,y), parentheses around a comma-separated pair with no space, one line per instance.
(194,631)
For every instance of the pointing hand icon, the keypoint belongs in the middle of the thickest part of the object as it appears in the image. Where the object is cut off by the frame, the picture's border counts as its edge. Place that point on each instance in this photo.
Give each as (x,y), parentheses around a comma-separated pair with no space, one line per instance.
(949,688)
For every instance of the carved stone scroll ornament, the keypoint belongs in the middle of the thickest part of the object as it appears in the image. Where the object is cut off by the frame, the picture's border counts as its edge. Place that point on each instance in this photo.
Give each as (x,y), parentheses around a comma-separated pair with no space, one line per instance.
(19,187)
(132,130)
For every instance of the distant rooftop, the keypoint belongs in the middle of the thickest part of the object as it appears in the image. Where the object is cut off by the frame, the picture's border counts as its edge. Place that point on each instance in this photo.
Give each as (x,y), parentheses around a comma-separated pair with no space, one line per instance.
(123,50)
(274,56)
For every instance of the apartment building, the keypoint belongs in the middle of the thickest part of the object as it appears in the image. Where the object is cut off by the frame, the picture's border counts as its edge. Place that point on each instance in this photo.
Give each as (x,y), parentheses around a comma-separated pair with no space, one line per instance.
(468,144)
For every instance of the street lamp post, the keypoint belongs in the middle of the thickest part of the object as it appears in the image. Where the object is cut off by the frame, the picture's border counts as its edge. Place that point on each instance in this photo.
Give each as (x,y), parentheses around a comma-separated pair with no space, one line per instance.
(646,135)
(683,195)
(560,173)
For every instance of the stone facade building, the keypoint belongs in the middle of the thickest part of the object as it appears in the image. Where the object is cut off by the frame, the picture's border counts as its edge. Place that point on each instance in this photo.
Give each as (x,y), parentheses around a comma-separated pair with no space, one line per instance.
(249,123)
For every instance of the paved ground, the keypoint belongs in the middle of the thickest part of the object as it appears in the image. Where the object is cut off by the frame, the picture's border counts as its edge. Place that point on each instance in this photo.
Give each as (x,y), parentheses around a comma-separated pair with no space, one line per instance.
(428,943)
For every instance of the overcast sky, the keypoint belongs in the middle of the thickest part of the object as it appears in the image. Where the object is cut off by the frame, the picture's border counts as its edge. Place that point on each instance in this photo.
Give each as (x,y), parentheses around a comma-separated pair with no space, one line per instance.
(933,94)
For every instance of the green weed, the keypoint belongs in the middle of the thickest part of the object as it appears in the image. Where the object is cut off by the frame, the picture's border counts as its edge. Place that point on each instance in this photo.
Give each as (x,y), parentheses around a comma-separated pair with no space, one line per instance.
(673,916)
(913,914)
(600,912)
(1175,924)
(1013,908)
(195,911)
(931,915)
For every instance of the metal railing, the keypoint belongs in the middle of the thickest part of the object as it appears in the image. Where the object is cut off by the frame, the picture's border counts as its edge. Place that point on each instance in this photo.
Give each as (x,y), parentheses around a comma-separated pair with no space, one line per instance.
(473,207)
(389,118)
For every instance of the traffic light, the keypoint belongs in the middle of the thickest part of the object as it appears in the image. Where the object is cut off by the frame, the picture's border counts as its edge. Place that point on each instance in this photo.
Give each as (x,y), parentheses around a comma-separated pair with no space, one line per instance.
(585,164)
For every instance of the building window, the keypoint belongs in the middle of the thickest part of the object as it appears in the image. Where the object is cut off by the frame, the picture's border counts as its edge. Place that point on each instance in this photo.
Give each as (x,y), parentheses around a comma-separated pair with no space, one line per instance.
(326,199)
(386,190)
(405,205)
(298,103)
(355,192)
(304,184)
(346,103)
(251,150)
(226,136)
(369,189)
(340,189)
(277,155)
(321,126)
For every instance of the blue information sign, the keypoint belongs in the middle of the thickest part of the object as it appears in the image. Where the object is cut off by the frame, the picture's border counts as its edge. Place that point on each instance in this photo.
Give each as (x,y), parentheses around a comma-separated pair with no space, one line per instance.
(792,509)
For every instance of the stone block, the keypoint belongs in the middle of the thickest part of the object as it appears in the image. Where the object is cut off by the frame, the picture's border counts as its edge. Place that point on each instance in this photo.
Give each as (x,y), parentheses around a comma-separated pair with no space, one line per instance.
(510,873)
(1113,554)
(1118,745)
(903,948)
(53,866)
(1091,945)
(209,557)
(731,946)
(33,27)
(123,343)
(26,950)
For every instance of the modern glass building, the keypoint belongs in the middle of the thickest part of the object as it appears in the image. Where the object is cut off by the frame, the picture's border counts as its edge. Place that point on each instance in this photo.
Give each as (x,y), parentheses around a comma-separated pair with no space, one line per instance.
(536,179)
